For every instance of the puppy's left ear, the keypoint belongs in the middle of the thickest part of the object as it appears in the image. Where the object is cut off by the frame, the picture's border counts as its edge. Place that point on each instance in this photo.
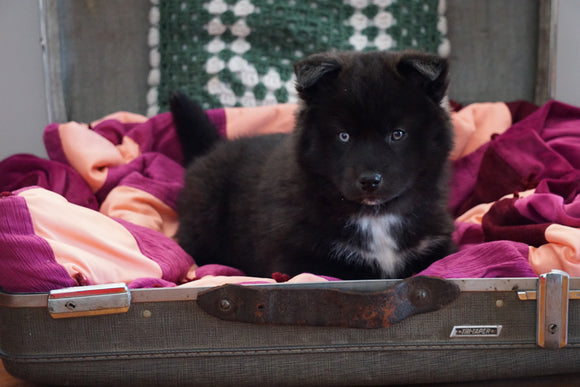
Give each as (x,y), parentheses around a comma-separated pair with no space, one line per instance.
(313,70)
(429,72)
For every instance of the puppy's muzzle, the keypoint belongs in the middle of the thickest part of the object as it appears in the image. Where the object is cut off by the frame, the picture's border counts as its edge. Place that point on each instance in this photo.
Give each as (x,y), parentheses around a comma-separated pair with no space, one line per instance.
(370,181)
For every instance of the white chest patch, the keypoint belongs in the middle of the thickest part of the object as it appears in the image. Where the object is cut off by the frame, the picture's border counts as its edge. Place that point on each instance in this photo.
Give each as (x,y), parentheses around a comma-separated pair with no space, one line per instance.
(381,247)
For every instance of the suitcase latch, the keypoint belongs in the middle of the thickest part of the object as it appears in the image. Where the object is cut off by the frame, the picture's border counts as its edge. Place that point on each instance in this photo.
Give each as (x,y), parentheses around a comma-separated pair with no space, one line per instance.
(93,300)
(552,295)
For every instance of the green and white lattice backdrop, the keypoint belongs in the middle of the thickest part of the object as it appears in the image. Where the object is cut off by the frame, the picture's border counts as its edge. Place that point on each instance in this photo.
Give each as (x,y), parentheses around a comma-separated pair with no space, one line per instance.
(228,53)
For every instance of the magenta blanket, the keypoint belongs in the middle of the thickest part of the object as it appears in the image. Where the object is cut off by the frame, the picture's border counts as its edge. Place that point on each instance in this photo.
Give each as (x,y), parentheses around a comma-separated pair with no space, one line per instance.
(102,207)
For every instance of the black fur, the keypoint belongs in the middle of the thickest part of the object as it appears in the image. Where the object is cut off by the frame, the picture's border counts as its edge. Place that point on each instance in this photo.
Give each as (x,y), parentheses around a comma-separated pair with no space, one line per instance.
(363,175)
(186,113)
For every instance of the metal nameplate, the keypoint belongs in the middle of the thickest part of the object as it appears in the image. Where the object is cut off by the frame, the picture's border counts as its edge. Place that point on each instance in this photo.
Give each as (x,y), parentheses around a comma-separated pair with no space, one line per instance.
(476,331)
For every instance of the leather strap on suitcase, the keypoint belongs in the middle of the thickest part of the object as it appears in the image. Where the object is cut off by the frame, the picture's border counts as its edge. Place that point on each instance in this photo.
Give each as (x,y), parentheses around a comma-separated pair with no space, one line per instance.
(328,307)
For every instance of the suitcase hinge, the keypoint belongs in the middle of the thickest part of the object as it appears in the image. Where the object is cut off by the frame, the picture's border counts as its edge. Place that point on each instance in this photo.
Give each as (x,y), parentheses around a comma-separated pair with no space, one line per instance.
(89,300)
(552,295)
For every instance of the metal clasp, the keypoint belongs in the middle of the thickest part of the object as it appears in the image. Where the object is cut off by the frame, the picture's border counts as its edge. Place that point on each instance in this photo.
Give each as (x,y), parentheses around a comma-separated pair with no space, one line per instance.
(552,301)
(552,295)
(89,300)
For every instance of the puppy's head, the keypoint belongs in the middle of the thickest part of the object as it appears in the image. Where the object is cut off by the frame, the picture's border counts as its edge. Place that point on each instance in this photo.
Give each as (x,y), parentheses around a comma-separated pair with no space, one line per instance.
(372,126)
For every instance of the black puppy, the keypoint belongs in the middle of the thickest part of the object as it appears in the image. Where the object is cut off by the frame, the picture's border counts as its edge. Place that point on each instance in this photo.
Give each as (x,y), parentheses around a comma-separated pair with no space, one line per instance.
(357,190)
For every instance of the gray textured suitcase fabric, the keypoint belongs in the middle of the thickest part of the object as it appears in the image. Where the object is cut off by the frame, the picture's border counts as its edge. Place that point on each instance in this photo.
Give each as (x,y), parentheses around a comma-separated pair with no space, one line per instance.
(166,338)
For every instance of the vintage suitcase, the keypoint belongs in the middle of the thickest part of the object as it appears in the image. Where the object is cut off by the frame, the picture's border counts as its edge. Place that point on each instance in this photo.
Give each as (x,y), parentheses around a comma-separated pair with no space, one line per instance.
(420,330)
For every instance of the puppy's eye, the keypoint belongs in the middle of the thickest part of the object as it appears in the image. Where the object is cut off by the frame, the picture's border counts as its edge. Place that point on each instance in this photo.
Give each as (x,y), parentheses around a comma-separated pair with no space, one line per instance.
(397,135)
(344,137)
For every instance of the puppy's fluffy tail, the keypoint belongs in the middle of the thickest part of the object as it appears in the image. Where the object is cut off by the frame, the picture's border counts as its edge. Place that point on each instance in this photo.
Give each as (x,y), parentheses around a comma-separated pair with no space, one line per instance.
(196,133)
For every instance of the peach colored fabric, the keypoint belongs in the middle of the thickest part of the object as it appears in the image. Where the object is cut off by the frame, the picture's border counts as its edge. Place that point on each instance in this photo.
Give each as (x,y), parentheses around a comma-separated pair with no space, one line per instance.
(87,242)
(128,149)
(123,117)
(218,280)
(210,280)
(259,120)
(475,214)
(140,207)
(562,252)
(476,123)
(89,153)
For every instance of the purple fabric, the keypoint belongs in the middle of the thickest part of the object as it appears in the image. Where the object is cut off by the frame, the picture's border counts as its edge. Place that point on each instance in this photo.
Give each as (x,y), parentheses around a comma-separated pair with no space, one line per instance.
(53,145)
(520,109)
(504,222)
(550,208)
(151,172)
(218,117)
(477,258)
(20,171)
(466,234)
(155,135)
(540,151)
(171,258)
(500,259)
(567,187)
(158,169)
(463,179)
(532,153)
(27,263)
(215,269)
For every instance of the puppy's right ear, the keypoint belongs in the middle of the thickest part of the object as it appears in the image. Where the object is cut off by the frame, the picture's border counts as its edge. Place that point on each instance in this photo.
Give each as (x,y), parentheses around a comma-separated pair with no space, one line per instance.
(429,72)
(313,70)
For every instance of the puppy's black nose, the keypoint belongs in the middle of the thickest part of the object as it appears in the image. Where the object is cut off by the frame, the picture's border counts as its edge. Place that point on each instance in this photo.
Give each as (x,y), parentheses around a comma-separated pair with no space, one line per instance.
(370,181)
